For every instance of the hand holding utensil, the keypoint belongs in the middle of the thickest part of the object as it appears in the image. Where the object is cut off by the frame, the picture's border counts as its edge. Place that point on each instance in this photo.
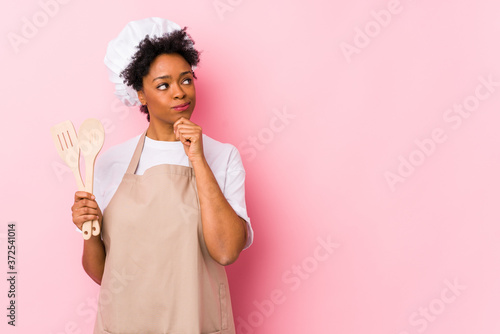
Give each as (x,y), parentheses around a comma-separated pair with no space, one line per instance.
(90,141)
(68,145)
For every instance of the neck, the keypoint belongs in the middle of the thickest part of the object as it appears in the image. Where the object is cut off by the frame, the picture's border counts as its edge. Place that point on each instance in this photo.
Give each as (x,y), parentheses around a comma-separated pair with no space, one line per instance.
(164,131)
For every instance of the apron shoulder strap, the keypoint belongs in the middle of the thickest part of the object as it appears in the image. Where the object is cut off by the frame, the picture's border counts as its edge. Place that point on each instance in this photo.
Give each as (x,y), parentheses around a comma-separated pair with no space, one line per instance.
(132,167)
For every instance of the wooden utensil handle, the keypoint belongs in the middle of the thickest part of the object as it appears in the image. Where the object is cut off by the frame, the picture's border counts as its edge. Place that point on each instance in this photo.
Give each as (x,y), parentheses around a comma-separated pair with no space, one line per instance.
(87,230)
(89,174)
(95,228)
(87,226)
(78,178)
(89,187)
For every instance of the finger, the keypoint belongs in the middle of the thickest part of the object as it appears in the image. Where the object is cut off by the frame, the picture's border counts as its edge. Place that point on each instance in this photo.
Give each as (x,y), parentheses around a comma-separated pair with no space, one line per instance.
(87,213)
(184,122)
(189,128)
(78,220)
(86,210)
(184,140)
(184,130)
(189,125)
(176,123)
(91,203)
(85,203)
(82,219)
(79,195)
(192,136)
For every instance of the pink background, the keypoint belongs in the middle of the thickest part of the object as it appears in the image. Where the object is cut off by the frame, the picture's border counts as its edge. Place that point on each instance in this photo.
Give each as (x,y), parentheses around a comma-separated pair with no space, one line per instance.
(317,176)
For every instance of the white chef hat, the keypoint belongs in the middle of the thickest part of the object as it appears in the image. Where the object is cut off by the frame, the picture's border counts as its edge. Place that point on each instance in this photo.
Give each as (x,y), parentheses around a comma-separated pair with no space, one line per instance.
(124,46)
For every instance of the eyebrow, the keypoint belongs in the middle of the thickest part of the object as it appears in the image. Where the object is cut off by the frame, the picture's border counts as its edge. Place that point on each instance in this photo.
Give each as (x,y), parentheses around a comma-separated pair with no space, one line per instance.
(170,77)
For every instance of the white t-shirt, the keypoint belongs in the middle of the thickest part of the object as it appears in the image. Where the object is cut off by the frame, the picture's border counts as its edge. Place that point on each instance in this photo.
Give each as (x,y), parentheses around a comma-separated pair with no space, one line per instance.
(224,161)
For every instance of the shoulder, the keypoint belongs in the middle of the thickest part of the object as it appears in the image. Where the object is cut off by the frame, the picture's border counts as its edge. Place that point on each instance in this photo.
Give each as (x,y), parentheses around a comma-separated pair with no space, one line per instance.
(215,145)
(221,153)
(116,155)
(117,151)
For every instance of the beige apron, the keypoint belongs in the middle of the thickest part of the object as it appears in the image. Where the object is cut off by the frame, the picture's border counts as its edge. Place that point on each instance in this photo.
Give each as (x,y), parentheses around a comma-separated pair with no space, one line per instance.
(158,276)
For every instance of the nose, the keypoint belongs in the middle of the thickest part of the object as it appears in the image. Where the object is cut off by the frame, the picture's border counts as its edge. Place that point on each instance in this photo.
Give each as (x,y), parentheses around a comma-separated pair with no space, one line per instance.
(177,91)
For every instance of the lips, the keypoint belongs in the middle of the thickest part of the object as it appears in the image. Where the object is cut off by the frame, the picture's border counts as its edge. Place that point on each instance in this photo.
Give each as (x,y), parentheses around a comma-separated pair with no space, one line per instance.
(181,107)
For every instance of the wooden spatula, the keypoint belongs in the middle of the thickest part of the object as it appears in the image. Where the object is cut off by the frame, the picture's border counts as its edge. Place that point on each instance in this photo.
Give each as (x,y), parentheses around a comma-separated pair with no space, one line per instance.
(66,141)
(90,140)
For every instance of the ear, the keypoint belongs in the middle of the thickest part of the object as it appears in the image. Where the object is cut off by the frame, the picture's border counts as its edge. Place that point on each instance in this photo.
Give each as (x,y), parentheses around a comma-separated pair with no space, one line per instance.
(142,97)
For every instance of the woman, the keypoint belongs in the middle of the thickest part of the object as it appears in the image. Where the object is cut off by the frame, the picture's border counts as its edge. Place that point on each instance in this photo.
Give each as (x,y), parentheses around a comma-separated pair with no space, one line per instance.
(173,198)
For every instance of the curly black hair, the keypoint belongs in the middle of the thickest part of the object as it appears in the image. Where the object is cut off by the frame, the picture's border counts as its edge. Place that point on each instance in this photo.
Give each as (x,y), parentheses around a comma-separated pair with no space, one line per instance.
(149,48)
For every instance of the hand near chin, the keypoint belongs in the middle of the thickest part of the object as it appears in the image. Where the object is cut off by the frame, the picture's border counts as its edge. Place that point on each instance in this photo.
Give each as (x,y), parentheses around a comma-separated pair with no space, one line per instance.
(190,135)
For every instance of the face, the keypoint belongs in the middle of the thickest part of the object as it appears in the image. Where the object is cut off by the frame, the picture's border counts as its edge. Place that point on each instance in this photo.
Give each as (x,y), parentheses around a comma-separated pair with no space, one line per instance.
(169,83)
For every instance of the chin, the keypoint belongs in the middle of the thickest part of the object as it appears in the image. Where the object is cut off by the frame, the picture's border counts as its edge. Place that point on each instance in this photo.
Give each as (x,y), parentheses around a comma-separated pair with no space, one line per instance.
(186,114)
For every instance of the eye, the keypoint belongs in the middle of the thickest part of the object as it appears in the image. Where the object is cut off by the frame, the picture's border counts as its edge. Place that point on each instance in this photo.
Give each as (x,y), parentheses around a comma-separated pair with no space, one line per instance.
(163,86)
(187,80)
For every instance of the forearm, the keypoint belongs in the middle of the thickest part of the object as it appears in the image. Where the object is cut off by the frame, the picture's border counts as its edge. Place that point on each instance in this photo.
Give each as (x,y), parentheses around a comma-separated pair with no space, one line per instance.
(224,231)
(93,258)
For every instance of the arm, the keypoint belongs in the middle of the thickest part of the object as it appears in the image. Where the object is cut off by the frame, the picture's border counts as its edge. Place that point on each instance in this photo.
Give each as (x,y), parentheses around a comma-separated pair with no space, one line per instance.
(93,258)
(84,209)
(224,231)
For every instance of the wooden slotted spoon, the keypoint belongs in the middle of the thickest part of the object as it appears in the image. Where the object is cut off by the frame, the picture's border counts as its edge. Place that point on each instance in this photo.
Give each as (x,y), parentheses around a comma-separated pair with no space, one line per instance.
(66,142)
(90,140)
